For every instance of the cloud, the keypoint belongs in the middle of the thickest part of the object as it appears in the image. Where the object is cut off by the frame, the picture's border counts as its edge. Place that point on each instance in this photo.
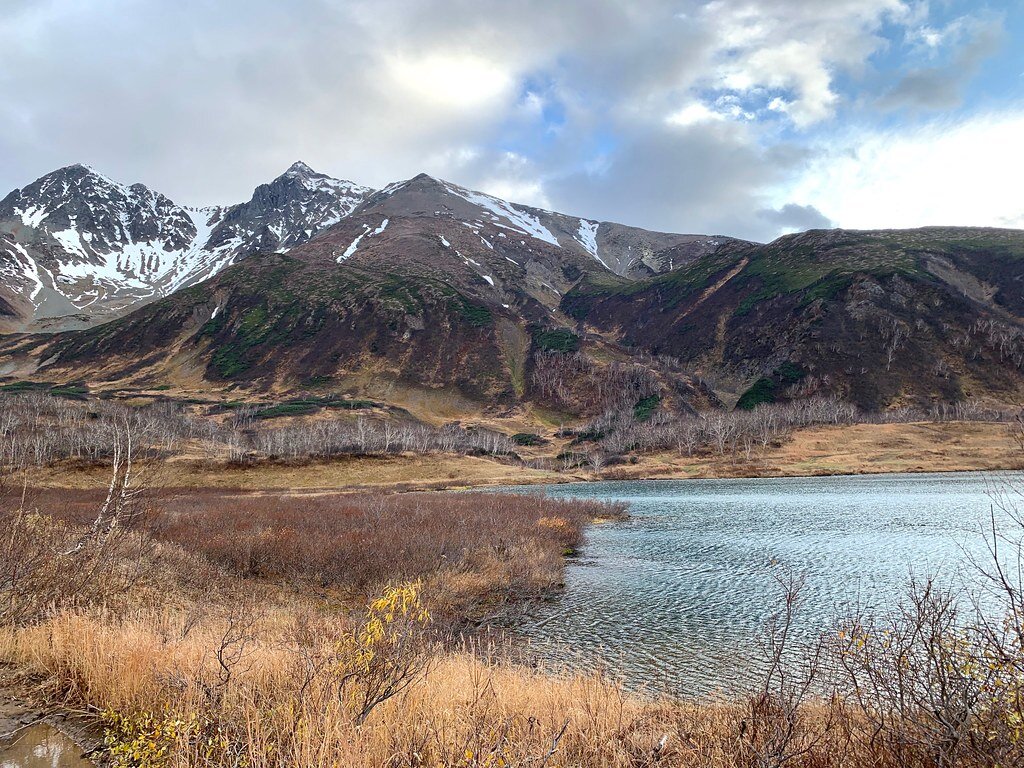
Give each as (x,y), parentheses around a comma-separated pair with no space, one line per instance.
(675,114)
(962,171)
(702,177)
(942,87)
(795,218)
(793,49)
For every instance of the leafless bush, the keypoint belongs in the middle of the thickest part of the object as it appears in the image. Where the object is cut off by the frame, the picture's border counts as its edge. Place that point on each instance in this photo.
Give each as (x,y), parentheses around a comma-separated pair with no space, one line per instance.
(37,430)
(47,562)
(719,433)
(786,721)
(927,685)
(577,383)
(331,438)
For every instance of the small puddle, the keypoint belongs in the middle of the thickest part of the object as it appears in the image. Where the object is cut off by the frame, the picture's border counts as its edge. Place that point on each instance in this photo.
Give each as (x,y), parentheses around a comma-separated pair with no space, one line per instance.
(41,746)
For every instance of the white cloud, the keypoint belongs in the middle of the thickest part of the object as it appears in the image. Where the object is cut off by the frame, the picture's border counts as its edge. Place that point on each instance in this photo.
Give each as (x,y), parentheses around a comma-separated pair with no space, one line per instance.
(796,47)
(693,113)
(451,80)
(667,112)
(964,172)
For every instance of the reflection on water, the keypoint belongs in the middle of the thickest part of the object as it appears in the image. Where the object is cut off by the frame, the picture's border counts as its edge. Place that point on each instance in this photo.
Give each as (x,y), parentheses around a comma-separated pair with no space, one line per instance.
(676,595)
(41,746)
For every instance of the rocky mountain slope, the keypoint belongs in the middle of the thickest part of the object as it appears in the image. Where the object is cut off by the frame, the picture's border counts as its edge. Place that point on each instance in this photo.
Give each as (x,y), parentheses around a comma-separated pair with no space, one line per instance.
(394,296)
(77,247)
(425,286)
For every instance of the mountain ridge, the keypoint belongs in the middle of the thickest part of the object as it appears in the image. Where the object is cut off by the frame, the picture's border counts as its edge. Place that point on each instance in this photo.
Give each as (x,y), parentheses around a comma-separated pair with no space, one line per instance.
(427,286)
(77,247)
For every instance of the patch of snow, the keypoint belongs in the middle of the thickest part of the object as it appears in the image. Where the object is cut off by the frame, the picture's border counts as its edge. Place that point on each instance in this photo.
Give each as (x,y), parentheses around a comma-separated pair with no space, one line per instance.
(444,242)
(489,279)
(30,270)
(382,227)
(70,241)
(586,236)
(521,220)
(355,244)
(33,216)
(215,311)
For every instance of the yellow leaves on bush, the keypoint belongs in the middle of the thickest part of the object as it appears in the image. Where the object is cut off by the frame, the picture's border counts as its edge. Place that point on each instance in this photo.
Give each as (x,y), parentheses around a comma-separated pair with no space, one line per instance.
(149,740)
(388,620)
(143,739)
(401,601)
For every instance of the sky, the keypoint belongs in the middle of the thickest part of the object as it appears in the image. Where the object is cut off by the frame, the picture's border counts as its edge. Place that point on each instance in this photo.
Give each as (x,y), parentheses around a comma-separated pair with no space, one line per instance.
(740,117)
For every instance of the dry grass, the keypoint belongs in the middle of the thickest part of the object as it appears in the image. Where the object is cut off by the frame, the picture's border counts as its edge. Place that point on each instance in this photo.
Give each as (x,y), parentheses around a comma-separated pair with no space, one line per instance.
(855,449)
(245,640)
(211,660)
(481,556)
(465,710)
(432,471)
(851,449)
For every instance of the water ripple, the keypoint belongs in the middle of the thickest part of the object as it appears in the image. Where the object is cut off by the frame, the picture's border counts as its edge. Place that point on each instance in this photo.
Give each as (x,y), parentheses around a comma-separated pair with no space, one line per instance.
(677,595)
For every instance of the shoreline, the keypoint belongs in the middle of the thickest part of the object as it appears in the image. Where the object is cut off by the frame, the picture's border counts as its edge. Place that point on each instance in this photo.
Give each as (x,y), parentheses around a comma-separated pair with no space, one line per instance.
(981,448)
(859,449)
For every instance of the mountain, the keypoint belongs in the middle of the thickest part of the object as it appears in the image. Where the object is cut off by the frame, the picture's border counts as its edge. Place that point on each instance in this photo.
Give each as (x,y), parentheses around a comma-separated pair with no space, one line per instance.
(622,250)
(77,247)
(404,297)
(882,318)
(424,284)
(426,291)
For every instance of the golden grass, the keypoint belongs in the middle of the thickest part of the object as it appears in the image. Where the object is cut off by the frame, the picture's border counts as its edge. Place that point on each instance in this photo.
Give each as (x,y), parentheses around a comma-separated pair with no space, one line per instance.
(432,471)
(207,663)
(465,711)
(852,450)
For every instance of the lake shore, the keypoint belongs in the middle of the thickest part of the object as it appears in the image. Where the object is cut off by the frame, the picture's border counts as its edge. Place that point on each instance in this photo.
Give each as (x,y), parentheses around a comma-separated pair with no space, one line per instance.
(156,670)
(814,451)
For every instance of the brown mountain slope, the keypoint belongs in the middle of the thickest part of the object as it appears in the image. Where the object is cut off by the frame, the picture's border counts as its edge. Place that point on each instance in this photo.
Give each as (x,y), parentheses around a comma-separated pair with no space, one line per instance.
(883,318)
(402,293)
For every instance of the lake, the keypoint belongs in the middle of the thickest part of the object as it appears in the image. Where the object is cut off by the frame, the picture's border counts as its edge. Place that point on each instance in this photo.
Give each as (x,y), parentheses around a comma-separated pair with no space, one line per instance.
(677,595)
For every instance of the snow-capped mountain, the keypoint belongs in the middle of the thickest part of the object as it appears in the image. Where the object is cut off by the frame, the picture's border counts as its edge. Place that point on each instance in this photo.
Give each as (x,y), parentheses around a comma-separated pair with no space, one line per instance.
(626,251)
(287,211)
(77,247)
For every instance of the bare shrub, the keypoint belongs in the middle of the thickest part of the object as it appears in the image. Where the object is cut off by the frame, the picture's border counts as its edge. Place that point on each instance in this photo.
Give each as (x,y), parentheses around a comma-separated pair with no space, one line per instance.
(787,720)
(47,563)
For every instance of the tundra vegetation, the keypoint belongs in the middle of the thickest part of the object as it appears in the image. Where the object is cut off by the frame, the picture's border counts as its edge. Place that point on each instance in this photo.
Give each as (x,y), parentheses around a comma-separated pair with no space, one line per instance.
(40,429)
(261,631)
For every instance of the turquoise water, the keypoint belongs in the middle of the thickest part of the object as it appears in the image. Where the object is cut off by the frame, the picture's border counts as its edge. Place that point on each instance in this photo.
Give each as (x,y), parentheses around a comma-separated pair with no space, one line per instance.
(677,595)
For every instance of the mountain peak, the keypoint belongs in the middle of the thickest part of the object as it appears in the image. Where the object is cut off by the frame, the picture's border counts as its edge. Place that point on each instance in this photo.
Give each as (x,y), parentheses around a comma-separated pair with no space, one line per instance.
(299,168)
(80,171)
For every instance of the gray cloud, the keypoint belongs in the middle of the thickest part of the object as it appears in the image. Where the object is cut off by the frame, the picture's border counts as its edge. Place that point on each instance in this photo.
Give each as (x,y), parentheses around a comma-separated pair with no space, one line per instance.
(942,87)
(204,100)
(702,178)
(795,218)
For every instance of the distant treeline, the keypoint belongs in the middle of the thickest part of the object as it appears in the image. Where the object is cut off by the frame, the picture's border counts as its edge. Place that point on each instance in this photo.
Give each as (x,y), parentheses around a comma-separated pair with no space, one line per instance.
(37,429)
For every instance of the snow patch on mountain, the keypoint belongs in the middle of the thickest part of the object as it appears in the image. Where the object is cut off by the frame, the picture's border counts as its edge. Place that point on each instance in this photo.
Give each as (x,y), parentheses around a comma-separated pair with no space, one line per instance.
(111,245)
(499,209)
(367,232)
